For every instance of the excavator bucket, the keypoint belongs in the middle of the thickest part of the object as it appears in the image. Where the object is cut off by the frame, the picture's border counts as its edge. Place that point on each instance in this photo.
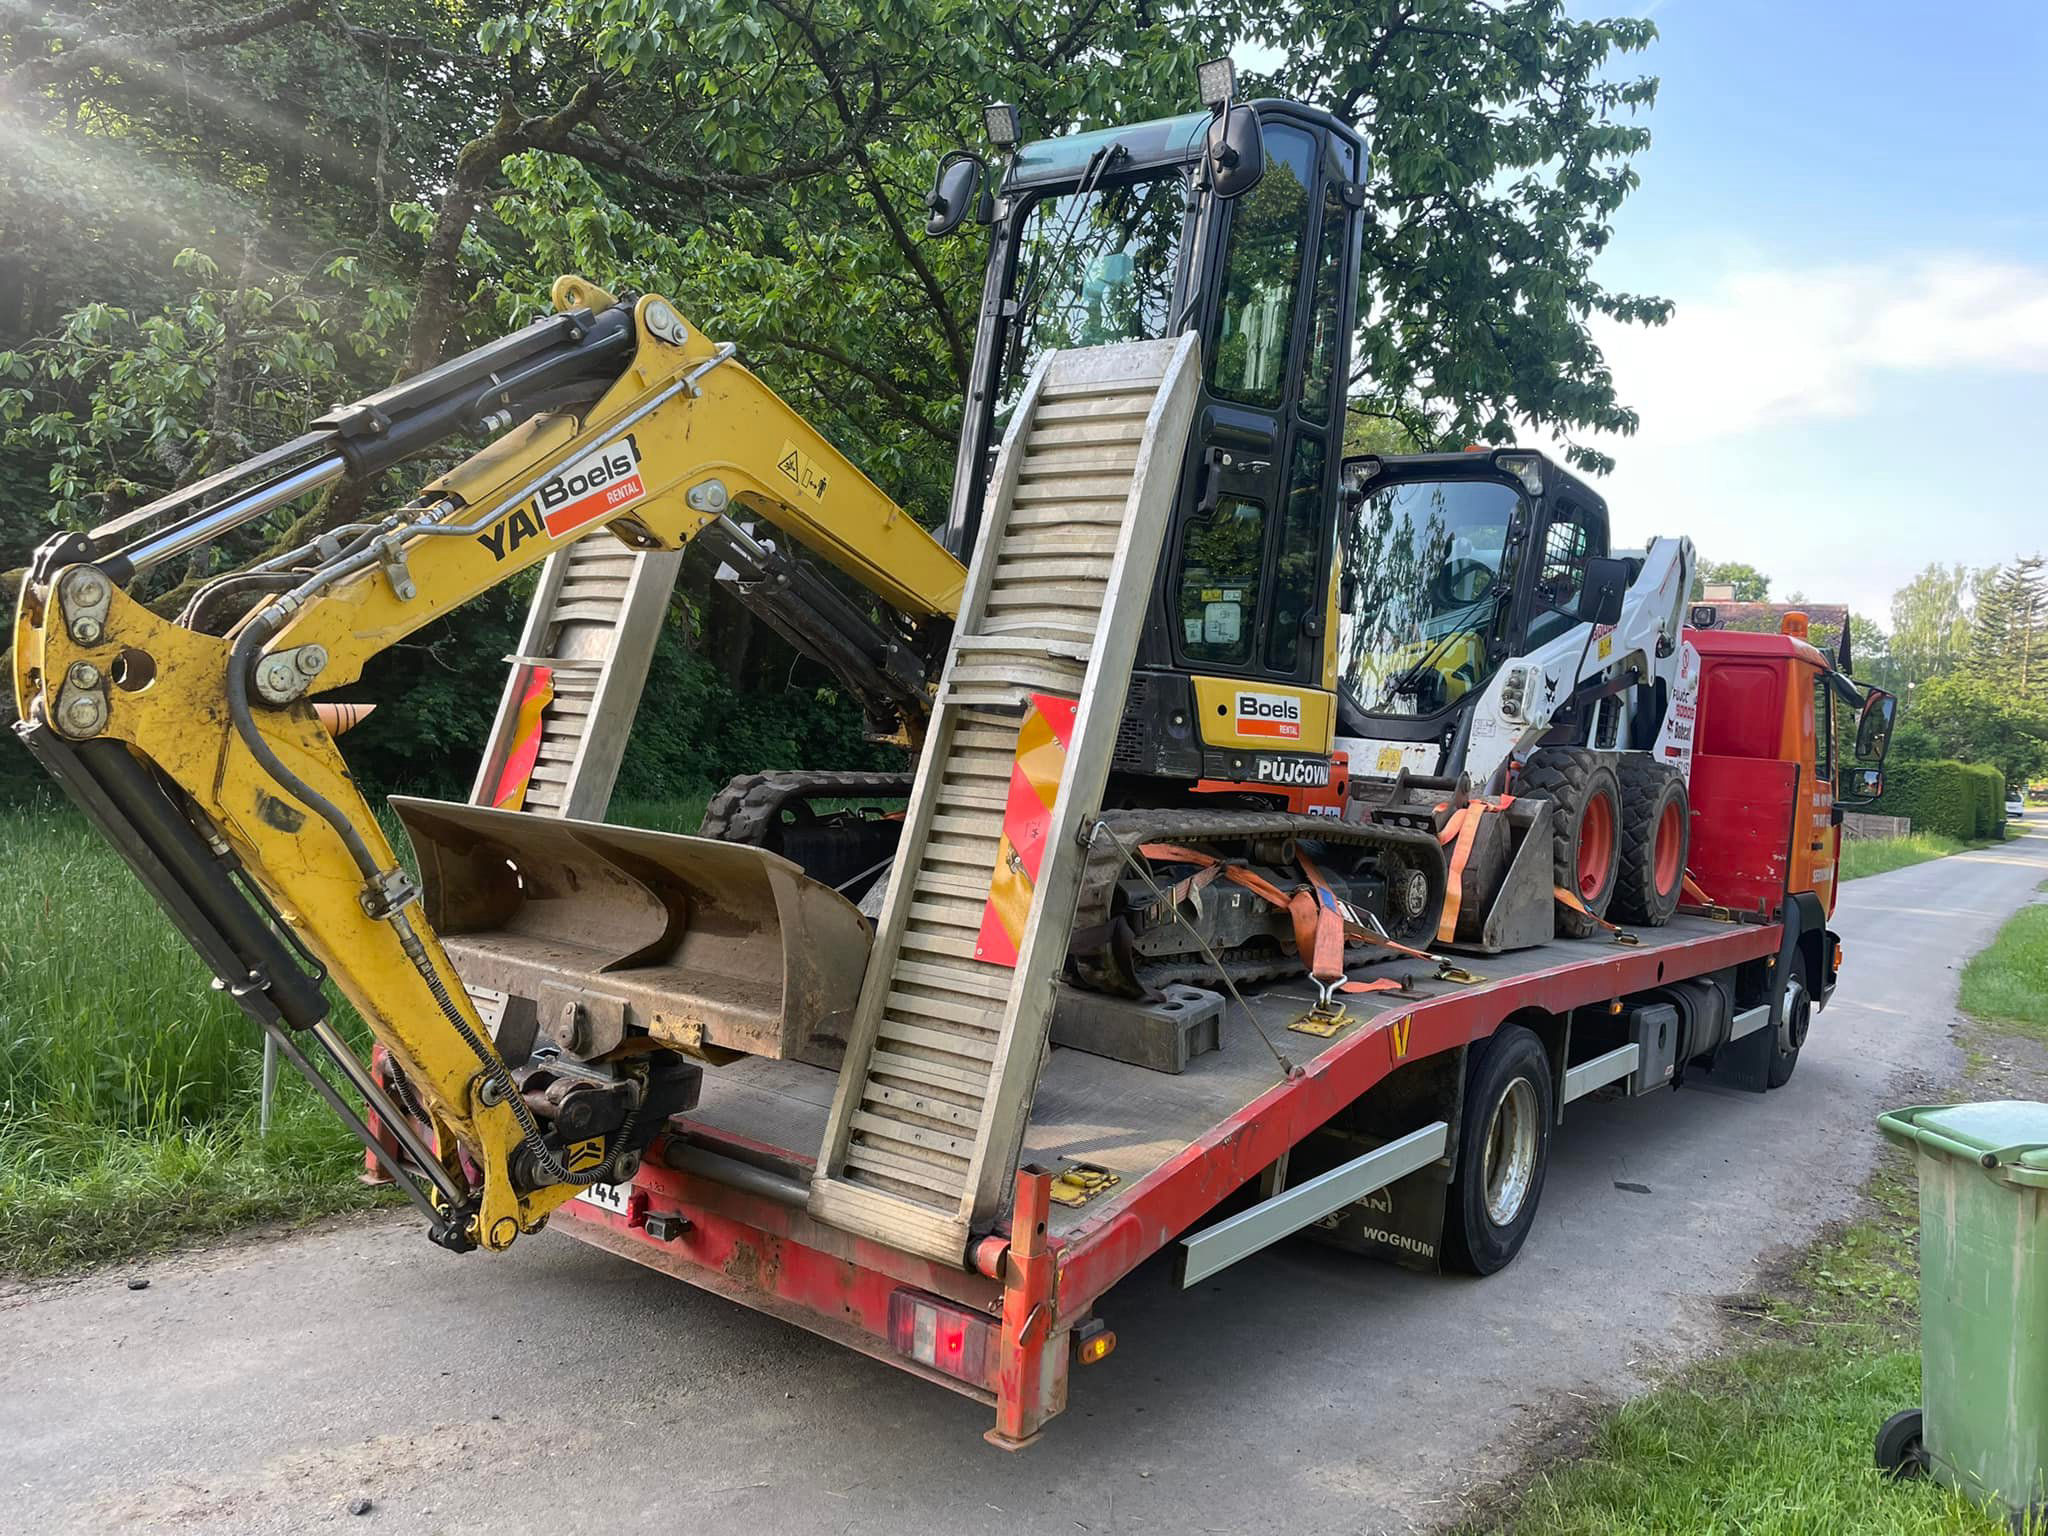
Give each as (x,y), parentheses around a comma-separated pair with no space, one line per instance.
(707,946)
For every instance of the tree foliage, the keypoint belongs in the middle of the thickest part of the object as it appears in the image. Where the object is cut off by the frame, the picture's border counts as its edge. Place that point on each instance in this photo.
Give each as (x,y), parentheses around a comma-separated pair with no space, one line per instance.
(2009,630)
(1751,585)
(217,217)
(1975,721)
(1930,626)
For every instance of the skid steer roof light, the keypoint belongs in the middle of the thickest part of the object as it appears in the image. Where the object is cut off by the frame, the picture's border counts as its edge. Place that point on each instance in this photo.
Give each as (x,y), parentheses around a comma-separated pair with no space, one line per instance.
(1000,119)
(1218,81)
(1525,467)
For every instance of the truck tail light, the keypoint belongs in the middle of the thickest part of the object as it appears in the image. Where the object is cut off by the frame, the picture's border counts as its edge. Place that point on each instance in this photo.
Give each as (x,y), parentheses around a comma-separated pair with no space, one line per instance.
(954,1340)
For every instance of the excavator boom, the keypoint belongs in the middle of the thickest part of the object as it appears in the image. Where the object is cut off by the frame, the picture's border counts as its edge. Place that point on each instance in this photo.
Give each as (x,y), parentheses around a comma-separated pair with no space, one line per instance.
(204,761)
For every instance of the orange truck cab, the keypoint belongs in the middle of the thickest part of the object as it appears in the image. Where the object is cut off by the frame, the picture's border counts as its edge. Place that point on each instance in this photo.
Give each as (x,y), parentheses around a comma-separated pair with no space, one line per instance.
(1768,790)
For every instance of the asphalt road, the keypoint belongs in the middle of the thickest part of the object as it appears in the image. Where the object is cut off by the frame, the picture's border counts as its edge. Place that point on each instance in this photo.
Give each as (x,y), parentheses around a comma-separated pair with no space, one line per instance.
(262,1387)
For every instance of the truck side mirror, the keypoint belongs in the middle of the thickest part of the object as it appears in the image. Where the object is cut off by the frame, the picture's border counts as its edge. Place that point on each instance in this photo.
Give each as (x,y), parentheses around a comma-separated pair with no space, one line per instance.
(1874,727)
(1237,152)
(1856,787)
(956,192)
(1602,592)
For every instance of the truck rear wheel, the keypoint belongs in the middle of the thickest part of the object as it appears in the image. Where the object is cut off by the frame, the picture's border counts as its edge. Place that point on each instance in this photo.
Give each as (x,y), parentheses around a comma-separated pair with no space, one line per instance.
(1503,1150)
(1656,835)
(1585,830)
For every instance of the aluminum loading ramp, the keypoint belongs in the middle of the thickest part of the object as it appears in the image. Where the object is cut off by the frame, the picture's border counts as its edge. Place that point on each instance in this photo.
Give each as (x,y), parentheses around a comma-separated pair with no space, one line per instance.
(575,683)
(947,1041)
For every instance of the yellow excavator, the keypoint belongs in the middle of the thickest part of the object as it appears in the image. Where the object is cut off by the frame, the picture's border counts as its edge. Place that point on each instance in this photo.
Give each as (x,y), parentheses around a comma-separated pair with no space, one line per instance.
(1286,578)
(202,757)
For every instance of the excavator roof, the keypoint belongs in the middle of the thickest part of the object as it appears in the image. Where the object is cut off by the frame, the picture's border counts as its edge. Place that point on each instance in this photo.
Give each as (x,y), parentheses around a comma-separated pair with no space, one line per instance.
(1162,141)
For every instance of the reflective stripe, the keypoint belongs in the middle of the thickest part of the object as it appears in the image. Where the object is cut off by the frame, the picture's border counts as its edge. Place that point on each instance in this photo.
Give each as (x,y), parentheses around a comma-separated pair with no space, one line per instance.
(510,795)
(1035,776)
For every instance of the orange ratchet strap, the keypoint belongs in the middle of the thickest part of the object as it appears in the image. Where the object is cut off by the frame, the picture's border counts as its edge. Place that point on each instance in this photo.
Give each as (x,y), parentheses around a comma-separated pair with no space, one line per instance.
(1463,828)
(1570,898)
(1321,925)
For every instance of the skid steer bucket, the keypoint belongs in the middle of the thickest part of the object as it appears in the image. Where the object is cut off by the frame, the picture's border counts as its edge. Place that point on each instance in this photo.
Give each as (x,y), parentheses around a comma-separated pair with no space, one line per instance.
(1505,897)
(708,946)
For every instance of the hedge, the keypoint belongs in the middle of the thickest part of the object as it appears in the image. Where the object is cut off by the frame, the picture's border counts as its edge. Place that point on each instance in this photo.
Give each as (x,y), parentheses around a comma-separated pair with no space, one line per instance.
(1965,801)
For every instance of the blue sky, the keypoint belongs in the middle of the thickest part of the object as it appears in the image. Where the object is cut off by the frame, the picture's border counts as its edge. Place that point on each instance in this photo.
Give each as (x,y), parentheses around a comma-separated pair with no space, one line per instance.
(1849,204)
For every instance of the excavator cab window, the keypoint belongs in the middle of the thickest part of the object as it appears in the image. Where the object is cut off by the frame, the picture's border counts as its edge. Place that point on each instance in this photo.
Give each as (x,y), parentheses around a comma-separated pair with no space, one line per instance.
(1254,331)
(1219,589)
(1328,322)
(1280,293)
(1093,267)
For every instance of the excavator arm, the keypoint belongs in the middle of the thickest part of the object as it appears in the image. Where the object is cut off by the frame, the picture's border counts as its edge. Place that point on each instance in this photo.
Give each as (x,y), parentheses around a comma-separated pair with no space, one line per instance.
(201,757)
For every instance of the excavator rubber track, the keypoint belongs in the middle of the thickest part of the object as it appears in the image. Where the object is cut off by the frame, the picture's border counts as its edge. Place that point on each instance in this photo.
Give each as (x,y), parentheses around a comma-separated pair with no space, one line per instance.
(847,848)
(751,806)
(1105,958)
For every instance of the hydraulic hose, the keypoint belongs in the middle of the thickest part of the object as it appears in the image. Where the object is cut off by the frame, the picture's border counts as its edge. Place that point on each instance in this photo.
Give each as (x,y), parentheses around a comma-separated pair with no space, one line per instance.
(241,661)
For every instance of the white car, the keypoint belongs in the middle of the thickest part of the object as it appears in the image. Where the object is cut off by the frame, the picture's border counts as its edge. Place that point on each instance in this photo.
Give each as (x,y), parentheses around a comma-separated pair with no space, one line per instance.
(2015,808)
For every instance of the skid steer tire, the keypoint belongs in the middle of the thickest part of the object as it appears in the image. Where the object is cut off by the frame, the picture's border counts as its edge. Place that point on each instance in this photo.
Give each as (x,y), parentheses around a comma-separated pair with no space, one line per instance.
(1585,830)
(1656,836)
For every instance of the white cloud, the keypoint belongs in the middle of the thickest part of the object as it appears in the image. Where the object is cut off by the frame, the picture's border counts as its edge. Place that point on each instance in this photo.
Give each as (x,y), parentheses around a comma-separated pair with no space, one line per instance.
(1862,354)
(1766,347)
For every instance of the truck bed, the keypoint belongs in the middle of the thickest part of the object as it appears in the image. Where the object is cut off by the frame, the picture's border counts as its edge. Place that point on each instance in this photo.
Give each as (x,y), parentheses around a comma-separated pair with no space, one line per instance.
(1133,1121)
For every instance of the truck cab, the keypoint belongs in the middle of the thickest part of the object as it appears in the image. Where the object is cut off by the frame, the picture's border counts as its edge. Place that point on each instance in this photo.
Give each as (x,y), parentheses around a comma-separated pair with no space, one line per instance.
(1772,770)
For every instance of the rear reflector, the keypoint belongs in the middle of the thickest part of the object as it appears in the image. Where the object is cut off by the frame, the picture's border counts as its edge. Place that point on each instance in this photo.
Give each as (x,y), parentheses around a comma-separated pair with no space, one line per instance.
(952,1339)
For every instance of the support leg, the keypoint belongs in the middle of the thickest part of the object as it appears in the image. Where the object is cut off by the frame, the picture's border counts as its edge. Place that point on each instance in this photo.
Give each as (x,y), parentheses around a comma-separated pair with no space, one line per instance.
(1031,1387)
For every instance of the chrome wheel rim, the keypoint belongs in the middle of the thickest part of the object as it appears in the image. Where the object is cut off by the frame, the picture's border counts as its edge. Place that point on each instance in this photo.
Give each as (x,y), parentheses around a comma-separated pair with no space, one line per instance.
(1511,1135)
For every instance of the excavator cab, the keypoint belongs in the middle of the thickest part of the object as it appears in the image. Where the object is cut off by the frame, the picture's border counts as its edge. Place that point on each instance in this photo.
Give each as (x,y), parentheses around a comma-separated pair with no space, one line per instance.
(1139,232)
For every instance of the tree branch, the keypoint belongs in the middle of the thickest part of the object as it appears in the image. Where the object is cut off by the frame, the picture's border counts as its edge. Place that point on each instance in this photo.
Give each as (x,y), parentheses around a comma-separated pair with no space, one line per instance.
(913,257)
(131,48)
(884,386)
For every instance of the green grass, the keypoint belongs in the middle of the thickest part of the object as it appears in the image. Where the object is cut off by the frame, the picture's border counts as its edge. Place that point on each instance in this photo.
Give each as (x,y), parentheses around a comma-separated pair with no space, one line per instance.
(2007,983)
(128,1086)
(1775,1438)
(682,814)
(1875,855)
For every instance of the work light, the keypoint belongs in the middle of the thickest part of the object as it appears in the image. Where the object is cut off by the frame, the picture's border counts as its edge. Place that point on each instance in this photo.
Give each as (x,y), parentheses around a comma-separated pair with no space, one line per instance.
(1218,81)
(1000,118)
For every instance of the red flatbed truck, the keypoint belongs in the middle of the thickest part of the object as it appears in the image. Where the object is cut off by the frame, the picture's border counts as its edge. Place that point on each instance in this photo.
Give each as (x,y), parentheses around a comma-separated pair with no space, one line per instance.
(1444,1092)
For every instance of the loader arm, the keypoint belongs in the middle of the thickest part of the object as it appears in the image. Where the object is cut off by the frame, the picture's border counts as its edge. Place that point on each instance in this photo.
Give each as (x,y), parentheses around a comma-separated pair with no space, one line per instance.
(201,756)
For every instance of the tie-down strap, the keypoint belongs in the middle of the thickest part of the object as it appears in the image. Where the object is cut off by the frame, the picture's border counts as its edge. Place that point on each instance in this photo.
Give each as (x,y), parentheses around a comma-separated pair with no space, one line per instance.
(1323,924)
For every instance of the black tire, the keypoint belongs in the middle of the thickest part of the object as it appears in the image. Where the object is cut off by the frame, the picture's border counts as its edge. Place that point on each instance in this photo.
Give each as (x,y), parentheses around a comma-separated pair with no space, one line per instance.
(1790,1038)
(1587,796)
(1656,837)
(1901,1446)
(1491,1203)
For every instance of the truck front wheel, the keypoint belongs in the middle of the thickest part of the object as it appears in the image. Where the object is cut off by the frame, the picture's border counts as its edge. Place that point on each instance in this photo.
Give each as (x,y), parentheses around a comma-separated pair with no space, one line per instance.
(1503,1150)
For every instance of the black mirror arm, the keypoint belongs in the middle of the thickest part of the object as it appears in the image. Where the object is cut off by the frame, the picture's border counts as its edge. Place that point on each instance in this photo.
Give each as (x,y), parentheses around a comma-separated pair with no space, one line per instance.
(1844,688)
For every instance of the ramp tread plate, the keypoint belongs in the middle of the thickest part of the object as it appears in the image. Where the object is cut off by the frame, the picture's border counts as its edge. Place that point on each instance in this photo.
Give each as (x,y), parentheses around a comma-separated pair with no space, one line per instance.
(945,1045)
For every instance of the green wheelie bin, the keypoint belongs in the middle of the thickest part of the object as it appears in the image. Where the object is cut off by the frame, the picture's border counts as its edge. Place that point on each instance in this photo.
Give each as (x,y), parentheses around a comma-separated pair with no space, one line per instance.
(1983,1421)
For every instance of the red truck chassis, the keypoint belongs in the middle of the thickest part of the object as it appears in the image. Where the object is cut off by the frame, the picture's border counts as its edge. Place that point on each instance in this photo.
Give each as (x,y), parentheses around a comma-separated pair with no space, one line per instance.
(719,1210)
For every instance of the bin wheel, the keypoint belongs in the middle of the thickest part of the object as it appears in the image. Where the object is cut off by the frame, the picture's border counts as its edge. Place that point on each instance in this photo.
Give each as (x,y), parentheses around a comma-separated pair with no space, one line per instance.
(1503,1150)
(1901,1453)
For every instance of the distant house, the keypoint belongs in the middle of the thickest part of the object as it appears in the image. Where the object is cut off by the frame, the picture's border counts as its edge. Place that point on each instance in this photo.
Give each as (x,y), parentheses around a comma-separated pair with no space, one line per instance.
(1766,618)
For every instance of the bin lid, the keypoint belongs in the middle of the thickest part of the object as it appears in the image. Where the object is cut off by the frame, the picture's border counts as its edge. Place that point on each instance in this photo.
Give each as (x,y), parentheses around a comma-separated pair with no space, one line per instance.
(2003,1133)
